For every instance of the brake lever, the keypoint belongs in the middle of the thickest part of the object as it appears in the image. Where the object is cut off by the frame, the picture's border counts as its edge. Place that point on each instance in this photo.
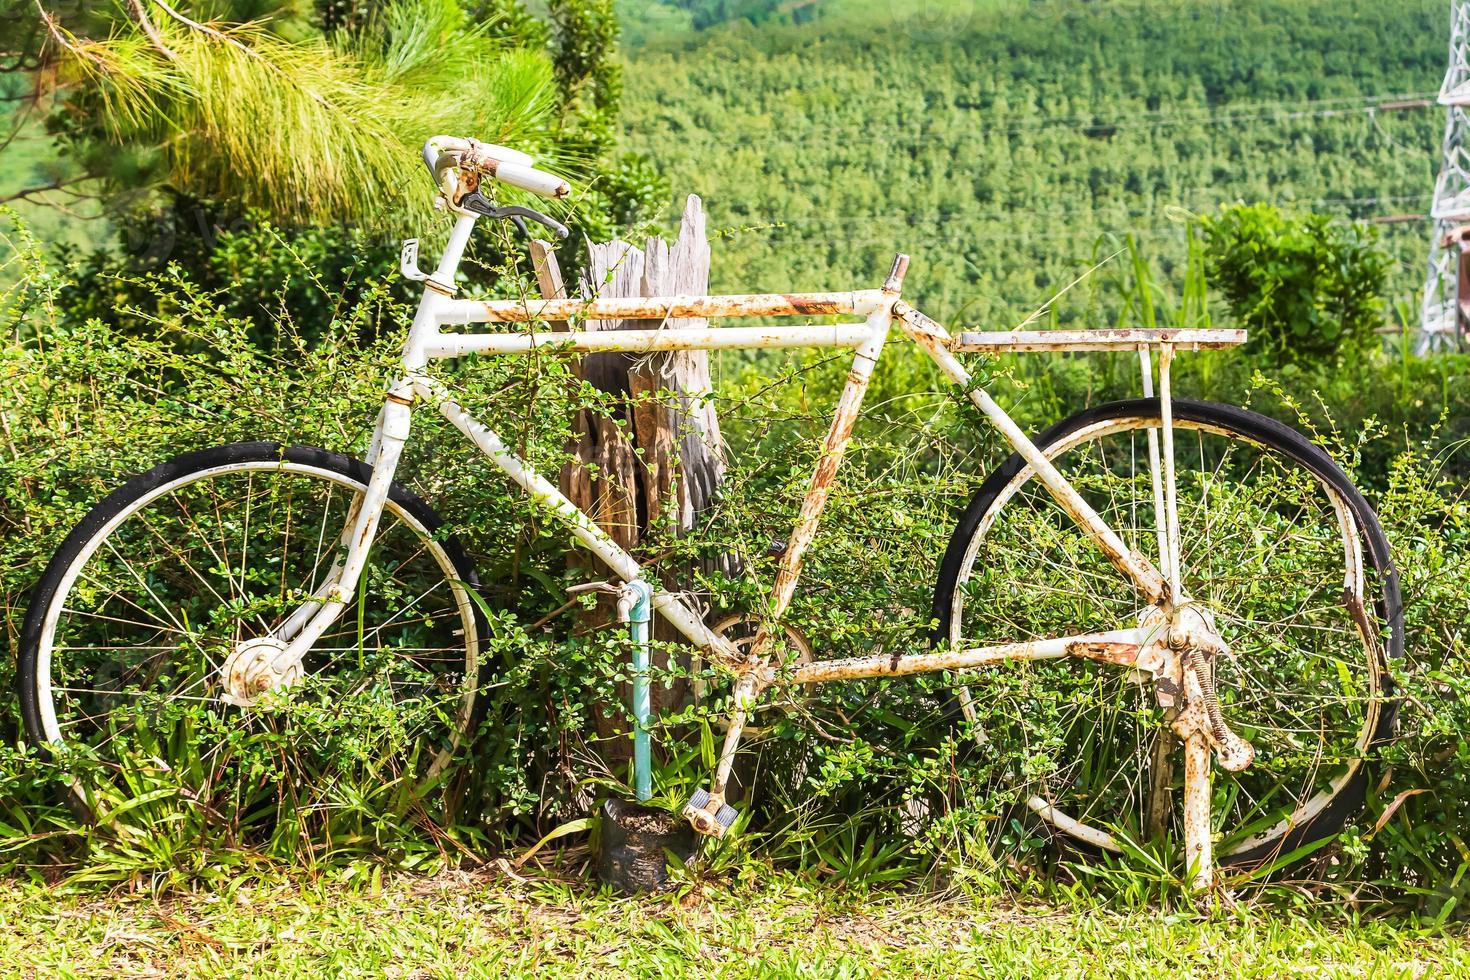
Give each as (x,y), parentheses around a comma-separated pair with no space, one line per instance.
(478,203)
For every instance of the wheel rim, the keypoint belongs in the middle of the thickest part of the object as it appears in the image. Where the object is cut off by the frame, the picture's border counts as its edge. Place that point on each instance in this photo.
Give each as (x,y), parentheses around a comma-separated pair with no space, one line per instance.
(1267,545)
(145,614)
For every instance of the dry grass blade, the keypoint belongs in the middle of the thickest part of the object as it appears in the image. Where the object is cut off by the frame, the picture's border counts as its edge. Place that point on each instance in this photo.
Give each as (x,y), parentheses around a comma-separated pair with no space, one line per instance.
(1041,310)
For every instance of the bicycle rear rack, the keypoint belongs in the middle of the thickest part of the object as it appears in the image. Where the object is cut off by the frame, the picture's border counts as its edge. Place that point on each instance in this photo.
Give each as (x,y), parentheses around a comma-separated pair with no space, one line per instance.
(988,341)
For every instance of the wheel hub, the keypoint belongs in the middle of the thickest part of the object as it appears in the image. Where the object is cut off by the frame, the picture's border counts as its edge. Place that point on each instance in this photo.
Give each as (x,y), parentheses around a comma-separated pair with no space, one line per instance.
(253,672)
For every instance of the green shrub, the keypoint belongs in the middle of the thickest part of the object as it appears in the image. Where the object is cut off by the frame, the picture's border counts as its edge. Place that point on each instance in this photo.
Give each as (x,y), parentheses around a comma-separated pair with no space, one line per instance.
(88,403)
(1305,285)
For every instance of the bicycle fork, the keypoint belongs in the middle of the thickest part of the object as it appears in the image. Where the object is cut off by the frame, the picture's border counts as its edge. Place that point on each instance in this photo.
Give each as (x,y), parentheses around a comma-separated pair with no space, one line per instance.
(262,664)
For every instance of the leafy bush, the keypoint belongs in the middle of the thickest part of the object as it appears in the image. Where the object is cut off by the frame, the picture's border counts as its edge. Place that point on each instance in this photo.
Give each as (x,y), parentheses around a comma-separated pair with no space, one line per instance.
(1305,286)
(1412,841)
(88,403)
(259,272)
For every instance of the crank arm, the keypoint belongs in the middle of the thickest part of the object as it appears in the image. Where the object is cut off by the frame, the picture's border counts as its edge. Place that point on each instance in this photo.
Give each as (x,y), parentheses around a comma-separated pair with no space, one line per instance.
(707,811)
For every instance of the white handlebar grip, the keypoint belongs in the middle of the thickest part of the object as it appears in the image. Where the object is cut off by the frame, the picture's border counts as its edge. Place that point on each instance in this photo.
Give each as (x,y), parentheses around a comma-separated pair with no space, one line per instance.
(531,179)
(505,154)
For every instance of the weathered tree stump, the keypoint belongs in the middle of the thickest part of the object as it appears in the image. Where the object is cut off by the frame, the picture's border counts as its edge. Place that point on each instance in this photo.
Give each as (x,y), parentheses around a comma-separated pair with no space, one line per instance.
(660,470)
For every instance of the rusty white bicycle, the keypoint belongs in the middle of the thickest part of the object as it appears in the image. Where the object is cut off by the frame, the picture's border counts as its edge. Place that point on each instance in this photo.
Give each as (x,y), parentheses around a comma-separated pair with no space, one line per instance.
(1144,580)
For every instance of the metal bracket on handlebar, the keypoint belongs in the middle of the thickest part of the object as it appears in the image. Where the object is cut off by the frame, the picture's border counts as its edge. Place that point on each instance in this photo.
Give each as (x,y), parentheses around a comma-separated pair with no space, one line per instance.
(479,204)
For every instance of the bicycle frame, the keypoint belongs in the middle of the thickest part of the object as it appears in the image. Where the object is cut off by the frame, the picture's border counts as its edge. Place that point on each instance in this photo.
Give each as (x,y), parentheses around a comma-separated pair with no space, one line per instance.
(877,310)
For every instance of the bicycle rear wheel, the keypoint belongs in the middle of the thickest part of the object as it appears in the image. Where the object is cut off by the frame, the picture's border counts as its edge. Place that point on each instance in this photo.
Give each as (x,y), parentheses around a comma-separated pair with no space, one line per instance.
(126,642)
(1275,542)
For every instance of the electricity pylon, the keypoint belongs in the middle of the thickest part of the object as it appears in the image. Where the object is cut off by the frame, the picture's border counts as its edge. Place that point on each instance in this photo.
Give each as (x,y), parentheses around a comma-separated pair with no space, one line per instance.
(1440,326)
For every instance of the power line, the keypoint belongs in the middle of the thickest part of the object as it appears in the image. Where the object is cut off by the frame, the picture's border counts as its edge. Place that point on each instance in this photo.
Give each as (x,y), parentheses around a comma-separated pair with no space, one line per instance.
(812,238)
(812,241)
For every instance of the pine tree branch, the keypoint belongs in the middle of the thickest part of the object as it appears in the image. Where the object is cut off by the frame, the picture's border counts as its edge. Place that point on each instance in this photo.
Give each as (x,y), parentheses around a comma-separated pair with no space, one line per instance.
(60,35)
(140,14)
(213,32)
(220,35)
(303,130)
(136,10)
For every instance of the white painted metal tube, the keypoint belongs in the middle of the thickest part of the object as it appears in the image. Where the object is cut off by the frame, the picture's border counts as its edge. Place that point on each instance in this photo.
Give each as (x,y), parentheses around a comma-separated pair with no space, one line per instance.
(542,490)
(1006,341)
(859,302)
(935,339)
(550,497)
(920,663)
(1081,831)
(448,266)
(644,341)
(744,697)
(1155,473)
(834,447)
(1171,569)
(1199,852)
(400,395)
(692,625)
(530,179)
(391,434)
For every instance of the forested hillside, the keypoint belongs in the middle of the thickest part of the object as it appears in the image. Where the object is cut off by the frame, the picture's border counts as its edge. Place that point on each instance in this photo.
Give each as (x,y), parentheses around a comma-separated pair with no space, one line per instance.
(998,140)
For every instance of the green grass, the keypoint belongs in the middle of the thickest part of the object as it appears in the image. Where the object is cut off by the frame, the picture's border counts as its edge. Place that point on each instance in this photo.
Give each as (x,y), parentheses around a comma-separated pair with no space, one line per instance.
(467,925)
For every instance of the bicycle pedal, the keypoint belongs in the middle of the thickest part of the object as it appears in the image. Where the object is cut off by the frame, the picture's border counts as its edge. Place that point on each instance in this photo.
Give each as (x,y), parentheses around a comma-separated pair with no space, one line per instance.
(698,813)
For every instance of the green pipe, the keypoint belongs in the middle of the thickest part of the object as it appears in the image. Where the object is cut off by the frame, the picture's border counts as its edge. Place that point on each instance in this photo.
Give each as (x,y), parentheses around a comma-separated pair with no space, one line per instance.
(638,619)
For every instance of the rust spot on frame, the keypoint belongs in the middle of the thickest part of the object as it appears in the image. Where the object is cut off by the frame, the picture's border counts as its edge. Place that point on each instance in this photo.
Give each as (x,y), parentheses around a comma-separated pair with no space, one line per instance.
(671,307)
(815,306)
(1359,614)
(1094,339)
(1122,654)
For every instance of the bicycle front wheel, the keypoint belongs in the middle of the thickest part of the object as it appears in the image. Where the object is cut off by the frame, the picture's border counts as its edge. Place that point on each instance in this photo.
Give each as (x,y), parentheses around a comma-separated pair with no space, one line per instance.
(1275,543)
(197,564)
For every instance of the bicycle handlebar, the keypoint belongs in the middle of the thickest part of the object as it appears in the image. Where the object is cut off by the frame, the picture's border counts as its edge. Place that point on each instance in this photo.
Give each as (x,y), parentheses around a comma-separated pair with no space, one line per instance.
(533,180)
(443,154)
